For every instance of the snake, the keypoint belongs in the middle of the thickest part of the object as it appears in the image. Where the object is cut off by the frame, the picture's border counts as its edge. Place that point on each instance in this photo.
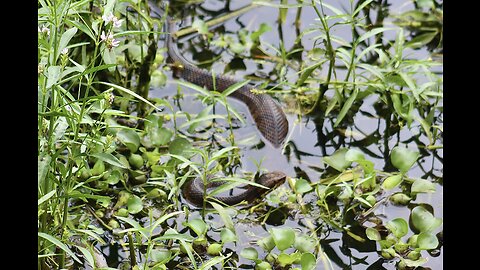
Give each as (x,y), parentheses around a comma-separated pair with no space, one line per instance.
(268,116)
(193,191)
(266,113)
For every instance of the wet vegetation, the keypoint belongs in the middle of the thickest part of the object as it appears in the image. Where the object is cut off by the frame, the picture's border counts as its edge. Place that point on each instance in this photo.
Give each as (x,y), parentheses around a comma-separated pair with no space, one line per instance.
(119,135)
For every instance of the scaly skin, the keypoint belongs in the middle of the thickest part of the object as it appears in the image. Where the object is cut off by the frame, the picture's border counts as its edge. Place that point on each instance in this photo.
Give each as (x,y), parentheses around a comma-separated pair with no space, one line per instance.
(193,190)
(268,116)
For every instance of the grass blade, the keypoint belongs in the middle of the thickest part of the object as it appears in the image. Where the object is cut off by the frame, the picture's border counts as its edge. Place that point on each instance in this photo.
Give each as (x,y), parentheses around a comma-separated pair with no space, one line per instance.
(59,244)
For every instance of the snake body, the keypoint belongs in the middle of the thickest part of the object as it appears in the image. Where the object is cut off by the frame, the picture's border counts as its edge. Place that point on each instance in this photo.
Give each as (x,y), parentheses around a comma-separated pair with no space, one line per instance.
(268,116)
(193,191)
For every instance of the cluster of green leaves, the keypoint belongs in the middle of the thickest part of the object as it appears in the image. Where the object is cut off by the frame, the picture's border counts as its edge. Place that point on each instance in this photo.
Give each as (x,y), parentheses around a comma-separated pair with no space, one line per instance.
(348,70)
(82,45)
(361,189)
(409,253)
(284,248)
(425,23)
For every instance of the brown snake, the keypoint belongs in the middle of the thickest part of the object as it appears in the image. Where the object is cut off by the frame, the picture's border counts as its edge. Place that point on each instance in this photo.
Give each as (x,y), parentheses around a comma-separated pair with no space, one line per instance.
(268,116)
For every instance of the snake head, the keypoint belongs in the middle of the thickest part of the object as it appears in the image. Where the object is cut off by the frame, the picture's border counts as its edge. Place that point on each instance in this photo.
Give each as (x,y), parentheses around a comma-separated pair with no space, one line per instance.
(272,179)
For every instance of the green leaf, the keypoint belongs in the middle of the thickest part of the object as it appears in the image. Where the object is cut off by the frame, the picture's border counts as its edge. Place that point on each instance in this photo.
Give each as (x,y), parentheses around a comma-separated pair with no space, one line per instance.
(160,256)
(398,226)
(308,261)
(200,26)
(43,167)
(65,39)
(423,220)
(354,155)
(304,243)
(198,226)
(263,266)
(161,136)
(234,87)
(283,237)
(337,160)
(180,146)
(236,47)
(287,259)
(423,186)
(213,261)
(201,119)
(427,241)
(59,244)
(307,71)
(370,33)
(360,7)
(46,197)
(416,263)
(403,158)
(53,75)
(130,92)
(109,158)
(425,3)
(267,243)
(87,255)
(108,8)
(129,138)
(202,114)
(262,29)
(134,204)
(227,220)
(249,253)
(228,236)
(163,218)
(373,234)
(302,186)
(346,107)
(392,181)
(421,40)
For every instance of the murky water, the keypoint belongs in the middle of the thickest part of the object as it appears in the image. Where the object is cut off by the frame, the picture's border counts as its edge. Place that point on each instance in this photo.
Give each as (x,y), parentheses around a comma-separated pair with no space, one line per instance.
(309,141)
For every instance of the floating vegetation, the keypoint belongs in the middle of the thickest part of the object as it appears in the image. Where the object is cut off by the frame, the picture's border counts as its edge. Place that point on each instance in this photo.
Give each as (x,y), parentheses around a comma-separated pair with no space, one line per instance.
(120,136)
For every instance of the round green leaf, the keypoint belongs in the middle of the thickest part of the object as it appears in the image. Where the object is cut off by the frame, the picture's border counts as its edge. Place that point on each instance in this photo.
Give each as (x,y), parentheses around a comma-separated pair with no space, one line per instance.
(423,186)
(337,160)
(308,261)
(129,138)
(249,253)
(214,249)
(400,198)
(302,186)
(423,220)
(179,146)
(266,243)
(373,234)
(304,243)
(134,204)
(160,136)
(354,155)
(287,259)
(263,266)
(403,158)
(283,237)
(114,177)
(398,226)
(427,241)
(392,181)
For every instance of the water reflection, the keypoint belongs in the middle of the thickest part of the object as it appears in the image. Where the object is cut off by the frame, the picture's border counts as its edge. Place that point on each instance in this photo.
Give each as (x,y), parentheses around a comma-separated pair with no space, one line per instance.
(369,125)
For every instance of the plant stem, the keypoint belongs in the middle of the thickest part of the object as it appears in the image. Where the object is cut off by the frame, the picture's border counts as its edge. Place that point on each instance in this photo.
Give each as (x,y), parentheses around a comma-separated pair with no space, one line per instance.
(212,22)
